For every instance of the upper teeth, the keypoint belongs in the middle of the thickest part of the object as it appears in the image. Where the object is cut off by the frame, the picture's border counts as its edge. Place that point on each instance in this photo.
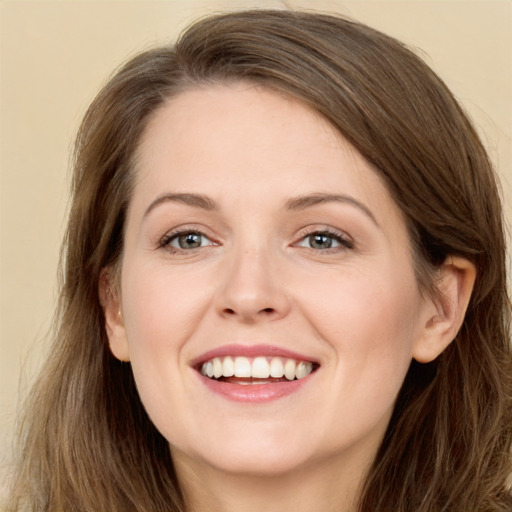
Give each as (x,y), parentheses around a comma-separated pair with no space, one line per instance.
(260,368)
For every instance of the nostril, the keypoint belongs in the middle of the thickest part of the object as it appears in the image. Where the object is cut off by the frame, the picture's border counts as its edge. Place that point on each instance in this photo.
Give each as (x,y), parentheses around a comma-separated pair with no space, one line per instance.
(265,311)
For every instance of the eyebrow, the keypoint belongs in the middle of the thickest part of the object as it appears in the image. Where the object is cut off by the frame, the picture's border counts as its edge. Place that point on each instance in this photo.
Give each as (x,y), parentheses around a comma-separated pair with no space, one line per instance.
(296,204)
(195,200)
(308,201)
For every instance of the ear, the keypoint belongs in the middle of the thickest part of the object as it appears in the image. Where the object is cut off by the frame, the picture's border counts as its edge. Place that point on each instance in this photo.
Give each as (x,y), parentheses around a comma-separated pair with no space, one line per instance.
(445,313)
(108,291)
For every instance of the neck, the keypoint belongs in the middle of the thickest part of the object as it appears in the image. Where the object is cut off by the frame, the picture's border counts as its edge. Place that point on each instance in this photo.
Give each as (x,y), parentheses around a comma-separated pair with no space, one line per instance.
(328,488)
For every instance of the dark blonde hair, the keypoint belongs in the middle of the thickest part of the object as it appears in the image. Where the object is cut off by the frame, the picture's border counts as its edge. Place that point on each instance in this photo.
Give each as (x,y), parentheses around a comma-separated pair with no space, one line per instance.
(88,442)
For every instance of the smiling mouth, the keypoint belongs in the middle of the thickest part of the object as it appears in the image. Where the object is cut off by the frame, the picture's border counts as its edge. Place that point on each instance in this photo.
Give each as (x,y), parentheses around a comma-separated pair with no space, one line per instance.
(257,370)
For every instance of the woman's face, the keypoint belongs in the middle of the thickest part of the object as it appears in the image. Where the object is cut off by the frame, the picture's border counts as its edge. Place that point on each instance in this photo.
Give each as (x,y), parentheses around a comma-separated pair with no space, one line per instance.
(260,242)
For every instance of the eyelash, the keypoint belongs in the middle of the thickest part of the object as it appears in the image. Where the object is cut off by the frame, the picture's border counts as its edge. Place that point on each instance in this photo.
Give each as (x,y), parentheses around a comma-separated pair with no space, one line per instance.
(166,241)
(336,236)
(339,237)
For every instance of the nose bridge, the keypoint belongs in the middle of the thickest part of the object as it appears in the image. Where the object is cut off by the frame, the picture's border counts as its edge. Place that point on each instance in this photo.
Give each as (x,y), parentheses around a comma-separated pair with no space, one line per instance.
(251,288)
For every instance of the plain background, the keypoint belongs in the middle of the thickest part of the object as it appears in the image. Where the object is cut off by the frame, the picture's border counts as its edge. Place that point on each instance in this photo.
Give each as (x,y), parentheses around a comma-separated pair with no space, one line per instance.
(54,56)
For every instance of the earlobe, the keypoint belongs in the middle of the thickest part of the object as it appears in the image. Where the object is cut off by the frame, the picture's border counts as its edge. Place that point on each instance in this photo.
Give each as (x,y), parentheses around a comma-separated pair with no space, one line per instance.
(445,314)
(108,291)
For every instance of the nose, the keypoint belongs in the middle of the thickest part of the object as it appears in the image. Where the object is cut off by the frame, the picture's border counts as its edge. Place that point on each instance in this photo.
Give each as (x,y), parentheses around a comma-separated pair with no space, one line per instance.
(252,289)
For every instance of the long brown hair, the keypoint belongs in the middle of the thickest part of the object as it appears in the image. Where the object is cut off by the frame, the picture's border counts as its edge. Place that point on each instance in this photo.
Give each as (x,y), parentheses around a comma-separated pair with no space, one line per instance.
(88,443)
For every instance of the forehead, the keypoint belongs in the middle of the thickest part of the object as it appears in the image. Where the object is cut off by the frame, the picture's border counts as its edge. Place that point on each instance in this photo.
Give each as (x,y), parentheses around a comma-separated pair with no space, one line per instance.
(223,116)
(242,140)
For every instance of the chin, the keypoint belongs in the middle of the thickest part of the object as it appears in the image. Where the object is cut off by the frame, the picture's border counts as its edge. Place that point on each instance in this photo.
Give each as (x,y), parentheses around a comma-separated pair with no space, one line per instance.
(252,464)
(255,454)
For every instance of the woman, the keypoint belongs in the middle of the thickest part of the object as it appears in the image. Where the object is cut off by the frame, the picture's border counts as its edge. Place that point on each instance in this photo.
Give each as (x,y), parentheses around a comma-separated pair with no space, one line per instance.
(284,285)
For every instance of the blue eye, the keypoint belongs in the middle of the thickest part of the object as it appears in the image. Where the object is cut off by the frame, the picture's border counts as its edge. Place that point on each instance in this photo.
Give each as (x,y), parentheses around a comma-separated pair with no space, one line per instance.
(185,240)
(323,240)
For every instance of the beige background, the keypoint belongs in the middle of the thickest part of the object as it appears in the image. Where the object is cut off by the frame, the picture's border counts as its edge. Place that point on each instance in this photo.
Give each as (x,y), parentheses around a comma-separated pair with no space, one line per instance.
(55,55)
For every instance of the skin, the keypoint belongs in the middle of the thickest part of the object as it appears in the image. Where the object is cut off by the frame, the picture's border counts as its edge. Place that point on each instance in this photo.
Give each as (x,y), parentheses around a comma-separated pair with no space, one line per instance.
(355,308)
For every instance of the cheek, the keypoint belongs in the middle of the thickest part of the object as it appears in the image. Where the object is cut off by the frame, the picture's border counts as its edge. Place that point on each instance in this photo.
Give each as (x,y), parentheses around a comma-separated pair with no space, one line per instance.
(376,308)
(161,306)
(161,311)
(373,341)
(370,322)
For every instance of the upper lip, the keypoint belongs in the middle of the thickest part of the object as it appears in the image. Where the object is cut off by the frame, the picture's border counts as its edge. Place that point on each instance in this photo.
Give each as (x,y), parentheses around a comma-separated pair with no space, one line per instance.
(251,351)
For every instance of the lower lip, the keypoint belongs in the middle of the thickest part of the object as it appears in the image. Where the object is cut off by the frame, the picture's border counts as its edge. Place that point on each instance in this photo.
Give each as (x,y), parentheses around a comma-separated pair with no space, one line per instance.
(254,393)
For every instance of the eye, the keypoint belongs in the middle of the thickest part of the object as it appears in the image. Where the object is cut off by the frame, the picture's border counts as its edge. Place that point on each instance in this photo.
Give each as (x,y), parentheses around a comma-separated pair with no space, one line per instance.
(185,240)
(323,240)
